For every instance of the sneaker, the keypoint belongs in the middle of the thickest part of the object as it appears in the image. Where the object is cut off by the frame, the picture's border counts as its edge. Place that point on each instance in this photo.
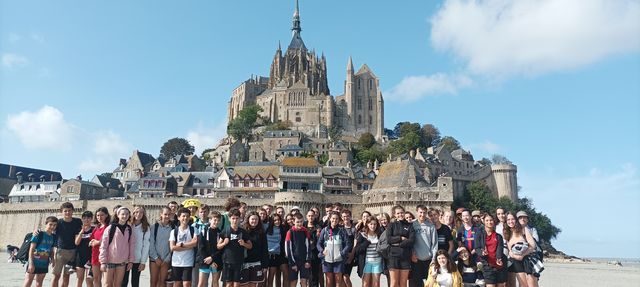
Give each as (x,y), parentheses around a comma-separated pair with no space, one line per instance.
(71,269)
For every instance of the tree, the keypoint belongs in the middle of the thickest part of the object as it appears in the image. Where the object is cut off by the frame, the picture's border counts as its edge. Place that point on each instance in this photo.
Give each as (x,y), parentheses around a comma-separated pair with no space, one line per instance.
(106,174)
(430,135)
(372,154)
(404,128)
(485,161)
(241,127)
(205,154)
(278,126)
(500,159)
(409,141)
(176,146)
(450,143)
(366,141)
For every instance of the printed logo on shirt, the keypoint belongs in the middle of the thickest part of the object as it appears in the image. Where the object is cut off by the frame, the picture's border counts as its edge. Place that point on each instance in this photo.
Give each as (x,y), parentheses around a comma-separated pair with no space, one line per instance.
(233,236)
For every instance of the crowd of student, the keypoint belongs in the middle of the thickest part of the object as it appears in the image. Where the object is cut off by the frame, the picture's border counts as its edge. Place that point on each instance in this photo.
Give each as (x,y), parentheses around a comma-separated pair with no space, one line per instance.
(191,245)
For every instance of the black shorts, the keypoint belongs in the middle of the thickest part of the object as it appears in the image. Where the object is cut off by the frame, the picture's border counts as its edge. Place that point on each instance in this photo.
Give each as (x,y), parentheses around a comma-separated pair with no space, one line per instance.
(516,266)
(301,270)
(232,272)
(398,263)
(252,274)
(181,273)
(37,270)
(83,260)
(348,268)
(493,275)
(275,260)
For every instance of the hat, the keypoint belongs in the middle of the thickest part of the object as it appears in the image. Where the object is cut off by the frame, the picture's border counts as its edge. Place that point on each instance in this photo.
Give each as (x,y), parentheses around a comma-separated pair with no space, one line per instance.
(521,214)
(459,210)
(476,213)
(295,207)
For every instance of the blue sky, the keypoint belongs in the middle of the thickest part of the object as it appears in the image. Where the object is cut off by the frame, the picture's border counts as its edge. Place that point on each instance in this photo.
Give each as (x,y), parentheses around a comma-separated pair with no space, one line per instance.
(552,85)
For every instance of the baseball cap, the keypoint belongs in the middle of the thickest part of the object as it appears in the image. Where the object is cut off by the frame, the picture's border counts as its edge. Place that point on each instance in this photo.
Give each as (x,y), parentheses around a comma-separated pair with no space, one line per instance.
(295,207)
(476,213)
(521,214)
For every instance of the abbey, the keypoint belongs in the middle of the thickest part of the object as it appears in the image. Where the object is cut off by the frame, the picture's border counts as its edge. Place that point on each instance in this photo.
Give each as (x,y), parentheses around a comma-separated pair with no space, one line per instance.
(296,92)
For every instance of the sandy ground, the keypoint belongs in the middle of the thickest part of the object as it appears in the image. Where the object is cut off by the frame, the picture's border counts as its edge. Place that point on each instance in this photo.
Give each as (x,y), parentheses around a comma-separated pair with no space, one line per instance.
(555,275)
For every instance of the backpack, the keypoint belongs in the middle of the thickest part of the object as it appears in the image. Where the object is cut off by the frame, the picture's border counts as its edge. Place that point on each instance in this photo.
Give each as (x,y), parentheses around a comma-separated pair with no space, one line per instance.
(383,245)
(192,231)
(112,231)
(23,252)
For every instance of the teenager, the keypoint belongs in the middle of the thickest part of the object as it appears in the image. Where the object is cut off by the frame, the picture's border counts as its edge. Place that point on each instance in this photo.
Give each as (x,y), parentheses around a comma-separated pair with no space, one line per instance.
(488,246)
(256,262)
(401,238)
(66,230)
(298,251)
(102,221)
(200,223)
(83,254)
(443,272)
(264,218)
(351,231)
(313,226)
(230,204)
(445,240)
(361,226)
(333,250)
(234,242)
(370,262)
(140,225)
(467,234)
(173,208)
(41,253)
(471,274)
(182,242)
(117,248)
(384,219)
(275,234)
(520,244)
(328,208)
(208,255)
(425,246)
(159,250)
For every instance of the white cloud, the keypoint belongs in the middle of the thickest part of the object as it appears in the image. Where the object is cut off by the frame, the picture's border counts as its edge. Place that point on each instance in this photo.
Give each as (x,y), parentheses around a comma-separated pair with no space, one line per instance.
(206,137)
(110,143)
(108,148)
(500,38)
(45,128)
(10,60)
(413,88)
(487,147)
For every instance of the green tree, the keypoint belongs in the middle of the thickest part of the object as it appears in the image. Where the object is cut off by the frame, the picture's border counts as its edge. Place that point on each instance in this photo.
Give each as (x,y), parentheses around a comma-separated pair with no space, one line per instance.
(408,142)
(404,128)
(205,154)
(370,154)
(430,135)
(241,127)
(323,158)
(278,126)
(366,141)
(450,143)
(485,161)
(176,146)
(500,159)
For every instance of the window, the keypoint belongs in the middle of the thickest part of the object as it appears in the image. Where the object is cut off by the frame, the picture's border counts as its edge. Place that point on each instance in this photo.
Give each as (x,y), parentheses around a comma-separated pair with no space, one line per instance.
(359,83)
(223,184)
(370,83)
(359,103)
(370,120)
(359,119)
(370,104)
(69,189)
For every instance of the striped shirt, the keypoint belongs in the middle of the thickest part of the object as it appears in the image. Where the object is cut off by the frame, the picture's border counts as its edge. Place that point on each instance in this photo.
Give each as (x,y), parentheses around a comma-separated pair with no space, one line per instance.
(372,254)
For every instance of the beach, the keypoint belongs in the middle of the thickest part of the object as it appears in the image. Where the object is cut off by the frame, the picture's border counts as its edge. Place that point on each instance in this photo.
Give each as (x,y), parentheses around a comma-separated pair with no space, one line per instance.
(556,274)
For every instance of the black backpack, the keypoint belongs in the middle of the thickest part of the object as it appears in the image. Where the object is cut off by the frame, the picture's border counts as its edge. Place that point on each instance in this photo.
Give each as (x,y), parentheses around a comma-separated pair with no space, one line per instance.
(192,231)
(23,252)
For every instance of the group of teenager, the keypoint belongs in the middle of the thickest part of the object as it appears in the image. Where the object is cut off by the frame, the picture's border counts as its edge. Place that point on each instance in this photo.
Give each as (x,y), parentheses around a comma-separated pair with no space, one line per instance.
(192,245)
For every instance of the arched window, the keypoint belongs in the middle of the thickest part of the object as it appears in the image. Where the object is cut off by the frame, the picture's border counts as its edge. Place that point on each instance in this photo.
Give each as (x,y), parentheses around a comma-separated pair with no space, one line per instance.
(359,119)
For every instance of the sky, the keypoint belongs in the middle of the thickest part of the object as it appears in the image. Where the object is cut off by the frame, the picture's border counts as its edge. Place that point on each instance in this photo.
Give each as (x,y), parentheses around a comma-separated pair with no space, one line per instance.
(553,85)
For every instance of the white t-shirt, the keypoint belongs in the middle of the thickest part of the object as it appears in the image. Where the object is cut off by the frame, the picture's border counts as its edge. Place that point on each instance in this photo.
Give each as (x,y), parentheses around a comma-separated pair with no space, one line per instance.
(183,258)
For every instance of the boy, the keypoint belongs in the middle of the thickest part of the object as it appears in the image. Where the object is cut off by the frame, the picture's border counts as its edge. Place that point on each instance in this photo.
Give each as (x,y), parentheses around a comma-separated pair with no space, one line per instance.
(298,252)
(83,258)
(200,225)
(65,252)
(209,257)
(41,253)
(234,241)
(182,240)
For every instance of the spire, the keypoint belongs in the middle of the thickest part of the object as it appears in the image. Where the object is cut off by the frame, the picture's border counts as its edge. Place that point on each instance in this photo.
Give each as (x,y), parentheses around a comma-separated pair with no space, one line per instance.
(296,22)
(350,65)
(279,47)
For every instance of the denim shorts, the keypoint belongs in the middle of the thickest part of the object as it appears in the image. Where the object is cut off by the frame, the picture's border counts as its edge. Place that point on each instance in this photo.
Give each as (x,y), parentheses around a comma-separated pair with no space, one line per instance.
(336,267)
(373,267)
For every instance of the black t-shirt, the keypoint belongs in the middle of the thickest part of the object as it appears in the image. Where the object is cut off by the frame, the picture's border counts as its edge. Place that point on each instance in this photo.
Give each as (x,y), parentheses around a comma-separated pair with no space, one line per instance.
(84,250)
(444,236)
(67,231)
(234,253)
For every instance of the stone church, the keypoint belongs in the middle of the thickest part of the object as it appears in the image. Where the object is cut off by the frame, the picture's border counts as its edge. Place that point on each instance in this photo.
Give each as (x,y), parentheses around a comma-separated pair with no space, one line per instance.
(296,92)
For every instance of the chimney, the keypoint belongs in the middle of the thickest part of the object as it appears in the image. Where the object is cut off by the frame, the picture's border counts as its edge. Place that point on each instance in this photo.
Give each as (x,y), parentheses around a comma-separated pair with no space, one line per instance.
(12,171)
(79,177)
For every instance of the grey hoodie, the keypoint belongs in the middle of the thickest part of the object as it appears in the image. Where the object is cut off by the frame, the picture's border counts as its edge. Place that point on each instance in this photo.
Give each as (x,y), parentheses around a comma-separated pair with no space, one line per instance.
(426,244)
(159,244)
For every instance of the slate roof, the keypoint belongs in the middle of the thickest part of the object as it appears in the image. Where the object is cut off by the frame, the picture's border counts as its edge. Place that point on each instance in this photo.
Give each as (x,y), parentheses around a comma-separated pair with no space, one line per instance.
(337,171)
(290,147)
(49,175)
(103,180)
(299,162)
(398,174)
(263,170)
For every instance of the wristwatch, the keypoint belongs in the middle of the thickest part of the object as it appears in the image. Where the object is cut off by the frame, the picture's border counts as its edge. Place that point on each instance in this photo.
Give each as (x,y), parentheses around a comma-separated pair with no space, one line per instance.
(181,244)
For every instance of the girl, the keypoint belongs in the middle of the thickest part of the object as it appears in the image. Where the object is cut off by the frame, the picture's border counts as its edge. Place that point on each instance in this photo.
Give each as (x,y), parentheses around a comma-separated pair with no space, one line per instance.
(443,273)
(401,237)
(159,252)
(362,224)
(333,249)
(384,219)
(488,245)
(140,225)
(275,234)
(83,255)
(102,221)
(370,266)
(258,255)
(117,248)
(289,220)
(471,276)
(208,255)
(520,244)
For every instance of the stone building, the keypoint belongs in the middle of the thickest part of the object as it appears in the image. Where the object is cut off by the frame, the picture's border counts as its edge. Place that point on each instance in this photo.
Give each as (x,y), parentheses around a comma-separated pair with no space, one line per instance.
(300,175)
(297,92)
(130,171)
(34,190)
(78,189)
(8,177)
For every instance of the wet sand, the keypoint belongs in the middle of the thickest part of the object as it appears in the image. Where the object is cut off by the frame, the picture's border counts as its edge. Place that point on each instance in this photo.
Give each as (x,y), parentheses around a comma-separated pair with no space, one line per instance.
(555,275)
